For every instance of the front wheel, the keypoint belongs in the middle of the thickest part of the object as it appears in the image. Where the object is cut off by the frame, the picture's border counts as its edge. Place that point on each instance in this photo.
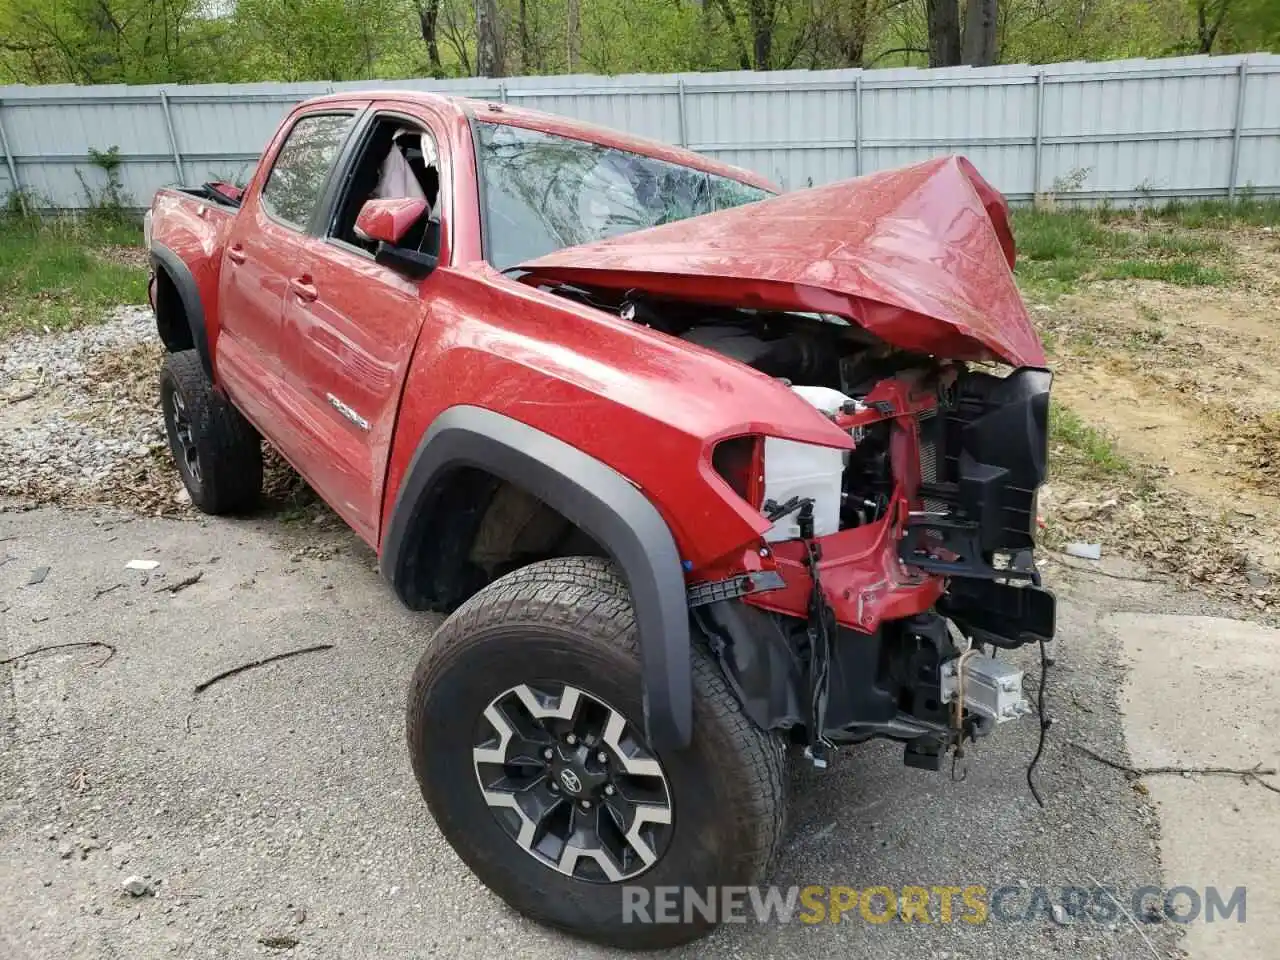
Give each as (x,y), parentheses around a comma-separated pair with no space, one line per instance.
(526,736)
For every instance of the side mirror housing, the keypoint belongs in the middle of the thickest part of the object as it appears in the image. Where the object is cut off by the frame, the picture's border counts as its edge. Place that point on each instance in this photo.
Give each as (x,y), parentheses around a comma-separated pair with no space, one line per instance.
(388,220)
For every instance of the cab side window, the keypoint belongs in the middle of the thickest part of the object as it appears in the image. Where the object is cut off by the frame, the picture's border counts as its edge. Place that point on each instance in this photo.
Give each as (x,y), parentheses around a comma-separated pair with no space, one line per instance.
(398,160)
(293,188)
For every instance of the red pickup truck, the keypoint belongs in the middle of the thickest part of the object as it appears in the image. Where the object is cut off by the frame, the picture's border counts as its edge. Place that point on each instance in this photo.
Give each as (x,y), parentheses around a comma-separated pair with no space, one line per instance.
(704,475)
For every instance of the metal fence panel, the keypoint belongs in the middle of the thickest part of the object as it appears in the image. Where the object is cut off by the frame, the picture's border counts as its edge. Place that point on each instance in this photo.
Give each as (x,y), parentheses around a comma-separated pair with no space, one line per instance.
(1125,131)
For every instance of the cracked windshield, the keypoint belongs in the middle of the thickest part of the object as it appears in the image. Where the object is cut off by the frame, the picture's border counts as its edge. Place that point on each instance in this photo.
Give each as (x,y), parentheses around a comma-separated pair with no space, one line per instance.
(543,192)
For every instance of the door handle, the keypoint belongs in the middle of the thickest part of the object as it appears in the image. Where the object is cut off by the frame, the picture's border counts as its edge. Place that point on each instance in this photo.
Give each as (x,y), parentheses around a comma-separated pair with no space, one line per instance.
(303,288)
(236,254)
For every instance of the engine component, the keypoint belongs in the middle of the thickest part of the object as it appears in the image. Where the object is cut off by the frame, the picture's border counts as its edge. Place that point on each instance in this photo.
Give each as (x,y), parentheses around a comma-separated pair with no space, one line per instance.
(992,688)
(795,353)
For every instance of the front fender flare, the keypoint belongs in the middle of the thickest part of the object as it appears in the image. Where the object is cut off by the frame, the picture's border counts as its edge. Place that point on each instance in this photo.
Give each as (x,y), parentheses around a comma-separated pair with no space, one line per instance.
(596,498)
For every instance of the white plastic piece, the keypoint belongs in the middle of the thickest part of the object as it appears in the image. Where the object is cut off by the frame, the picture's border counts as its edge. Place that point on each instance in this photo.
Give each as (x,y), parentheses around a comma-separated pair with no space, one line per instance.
(824,398)
(142,564)
(1085,551)
(805,470)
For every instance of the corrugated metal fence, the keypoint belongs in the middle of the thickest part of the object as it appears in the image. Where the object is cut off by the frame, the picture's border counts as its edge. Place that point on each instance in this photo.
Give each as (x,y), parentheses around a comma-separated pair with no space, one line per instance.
(1124,130)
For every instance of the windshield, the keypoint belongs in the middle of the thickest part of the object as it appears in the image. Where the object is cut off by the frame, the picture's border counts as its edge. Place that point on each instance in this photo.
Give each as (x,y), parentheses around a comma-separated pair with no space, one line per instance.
(543,192)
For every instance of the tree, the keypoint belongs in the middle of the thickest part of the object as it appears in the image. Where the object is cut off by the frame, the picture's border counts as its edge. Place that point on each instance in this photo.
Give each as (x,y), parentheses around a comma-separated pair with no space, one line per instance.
(572,34)
(943,18)
(490,51)
(428,20)
(981,19)
(1209,17)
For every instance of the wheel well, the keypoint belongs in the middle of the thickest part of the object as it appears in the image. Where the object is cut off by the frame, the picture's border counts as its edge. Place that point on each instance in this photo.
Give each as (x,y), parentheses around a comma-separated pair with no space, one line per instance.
(171,317)
(472,528)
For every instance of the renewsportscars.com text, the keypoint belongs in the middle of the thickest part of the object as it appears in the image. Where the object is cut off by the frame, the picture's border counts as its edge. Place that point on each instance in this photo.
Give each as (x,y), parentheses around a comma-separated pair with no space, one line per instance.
(970,904)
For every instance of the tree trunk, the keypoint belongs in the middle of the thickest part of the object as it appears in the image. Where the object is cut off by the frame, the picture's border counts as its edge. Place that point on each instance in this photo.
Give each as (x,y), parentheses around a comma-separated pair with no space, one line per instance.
(489,59)
(980,20)
(572,33)
(853,34)
(526,47)
(428,15)
(943,17)
(1208,28)
(726,9)
(761,14)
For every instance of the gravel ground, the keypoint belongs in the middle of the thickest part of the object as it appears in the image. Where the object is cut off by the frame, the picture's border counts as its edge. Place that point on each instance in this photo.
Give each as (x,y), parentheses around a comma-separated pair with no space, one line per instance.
(78,415)
(279,804)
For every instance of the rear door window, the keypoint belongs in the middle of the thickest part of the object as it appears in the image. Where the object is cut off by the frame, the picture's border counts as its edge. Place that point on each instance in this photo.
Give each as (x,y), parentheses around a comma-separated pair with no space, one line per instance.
(293,189)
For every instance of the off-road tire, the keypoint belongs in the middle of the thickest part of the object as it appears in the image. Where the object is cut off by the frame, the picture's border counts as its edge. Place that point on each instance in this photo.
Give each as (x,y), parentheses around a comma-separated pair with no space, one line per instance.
(570,620)
(227,477)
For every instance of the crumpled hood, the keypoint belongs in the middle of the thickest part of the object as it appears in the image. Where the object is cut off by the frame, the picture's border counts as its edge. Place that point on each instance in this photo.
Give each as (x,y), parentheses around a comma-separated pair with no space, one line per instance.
(920,256)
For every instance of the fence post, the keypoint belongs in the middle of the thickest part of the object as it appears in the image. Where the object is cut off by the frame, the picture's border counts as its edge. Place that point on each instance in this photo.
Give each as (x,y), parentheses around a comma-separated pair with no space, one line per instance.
(13,166)
(684,120)
(1235,133)
(502,92)
(1039,136)
(173,136)
(857,124)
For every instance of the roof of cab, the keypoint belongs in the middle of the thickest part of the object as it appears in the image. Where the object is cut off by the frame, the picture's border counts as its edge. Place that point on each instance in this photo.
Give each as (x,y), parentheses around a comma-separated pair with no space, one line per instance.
(493,112)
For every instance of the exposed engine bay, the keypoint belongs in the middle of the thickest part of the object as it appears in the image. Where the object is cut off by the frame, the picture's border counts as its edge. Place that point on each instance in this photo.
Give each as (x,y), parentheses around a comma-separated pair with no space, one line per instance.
(829,361)
(944,469)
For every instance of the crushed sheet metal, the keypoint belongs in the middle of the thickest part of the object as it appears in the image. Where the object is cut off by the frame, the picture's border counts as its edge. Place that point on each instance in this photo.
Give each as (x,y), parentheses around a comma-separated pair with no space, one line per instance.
(920,256)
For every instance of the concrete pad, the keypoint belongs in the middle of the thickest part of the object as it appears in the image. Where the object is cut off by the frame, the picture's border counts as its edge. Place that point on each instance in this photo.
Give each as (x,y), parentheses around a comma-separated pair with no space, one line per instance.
(1205,691)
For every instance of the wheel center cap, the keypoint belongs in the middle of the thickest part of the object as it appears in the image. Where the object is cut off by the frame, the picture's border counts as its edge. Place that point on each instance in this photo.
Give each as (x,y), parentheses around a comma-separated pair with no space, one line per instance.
(571,782)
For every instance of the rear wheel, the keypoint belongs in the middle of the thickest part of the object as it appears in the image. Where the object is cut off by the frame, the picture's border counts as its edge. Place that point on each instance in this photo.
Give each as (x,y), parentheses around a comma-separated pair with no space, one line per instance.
(217,452)
(526,734)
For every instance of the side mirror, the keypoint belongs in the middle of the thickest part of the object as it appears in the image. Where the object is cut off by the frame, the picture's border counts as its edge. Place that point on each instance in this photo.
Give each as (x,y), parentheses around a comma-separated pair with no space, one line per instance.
(387,221)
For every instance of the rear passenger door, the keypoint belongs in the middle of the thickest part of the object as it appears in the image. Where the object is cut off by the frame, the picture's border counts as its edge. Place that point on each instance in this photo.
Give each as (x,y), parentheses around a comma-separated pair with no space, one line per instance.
(268,238)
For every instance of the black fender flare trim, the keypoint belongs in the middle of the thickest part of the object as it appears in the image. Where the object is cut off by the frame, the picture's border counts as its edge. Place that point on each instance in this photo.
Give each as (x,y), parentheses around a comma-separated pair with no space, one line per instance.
(591,495)
(189,293)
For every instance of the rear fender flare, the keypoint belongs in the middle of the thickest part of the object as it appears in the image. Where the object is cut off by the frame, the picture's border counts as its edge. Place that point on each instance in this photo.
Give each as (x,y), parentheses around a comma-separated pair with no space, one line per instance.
(189,293)
(597,499)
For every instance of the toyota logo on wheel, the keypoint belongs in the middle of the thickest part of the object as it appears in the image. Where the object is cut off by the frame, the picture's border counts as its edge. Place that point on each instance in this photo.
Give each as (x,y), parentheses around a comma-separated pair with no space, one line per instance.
(570,780)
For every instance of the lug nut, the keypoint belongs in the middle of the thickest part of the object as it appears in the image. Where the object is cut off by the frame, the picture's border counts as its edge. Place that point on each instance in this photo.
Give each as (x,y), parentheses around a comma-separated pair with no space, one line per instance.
(571,740)
(548,753)
(608,790)
(586,804)
(554,787)
(602,756)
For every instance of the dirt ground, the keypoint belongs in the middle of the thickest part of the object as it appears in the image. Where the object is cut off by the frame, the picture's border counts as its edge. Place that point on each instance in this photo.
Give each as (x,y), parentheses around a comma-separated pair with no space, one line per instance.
(1185,381)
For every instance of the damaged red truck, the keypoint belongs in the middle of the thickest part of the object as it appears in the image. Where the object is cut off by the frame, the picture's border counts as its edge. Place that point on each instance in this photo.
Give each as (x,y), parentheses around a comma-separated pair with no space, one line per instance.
(704,475)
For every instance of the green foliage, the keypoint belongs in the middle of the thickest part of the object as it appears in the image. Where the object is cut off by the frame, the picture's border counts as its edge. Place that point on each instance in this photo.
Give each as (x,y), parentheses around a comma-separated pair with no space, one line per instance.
(1185,273)
(192,41)
(1082,448)
(109,202)
(66,272)
(1058,248)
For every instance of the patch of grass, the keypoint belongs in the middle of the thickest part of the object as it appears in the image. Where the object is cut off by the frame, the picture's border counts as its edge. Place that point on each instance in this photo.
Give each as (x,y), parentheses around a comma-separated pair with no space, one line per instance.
(1182,244)
(1184,273)
(1085,447)
(1071,235)
(1058,249)
(59,273)
(1245,211)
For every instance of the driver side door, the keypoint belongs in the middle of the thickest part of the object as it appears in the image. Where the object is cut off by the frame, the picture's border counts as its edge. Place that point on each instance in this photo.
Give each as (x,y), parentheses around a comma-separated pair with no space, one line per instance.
(351,323)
